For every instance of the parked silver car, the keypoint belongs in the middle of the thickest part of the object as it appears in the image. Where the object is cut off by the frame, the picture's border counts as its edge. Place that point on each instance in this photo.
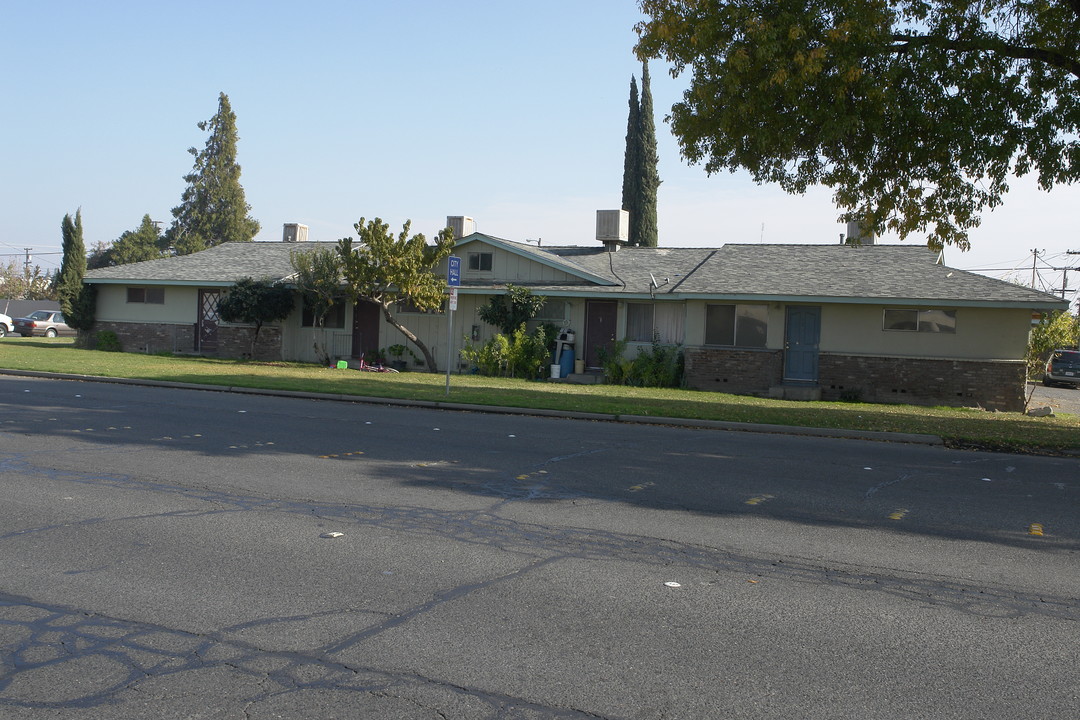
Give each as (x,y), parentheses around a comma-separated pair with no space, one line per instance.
(1063,368)
(49,323)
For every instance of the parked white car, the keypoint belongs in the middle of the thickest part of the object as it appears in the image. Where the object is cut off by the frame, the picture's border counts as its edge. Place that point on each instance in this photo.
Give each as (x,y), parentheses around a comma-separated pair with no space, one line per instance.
(5,325)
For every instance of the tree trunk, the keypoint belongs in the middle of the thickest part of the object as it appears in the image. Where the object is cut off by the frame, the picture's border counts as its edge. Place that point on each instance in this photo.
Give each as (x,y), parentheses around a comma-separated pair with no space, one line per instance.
(254,339)
(411,337)
(323,356)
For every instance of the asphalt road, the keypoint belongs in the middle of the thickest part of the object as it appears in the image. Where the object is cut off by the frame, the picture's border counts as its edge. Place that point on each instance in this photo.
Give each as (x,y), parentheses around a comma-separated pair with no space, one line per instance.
(162,555)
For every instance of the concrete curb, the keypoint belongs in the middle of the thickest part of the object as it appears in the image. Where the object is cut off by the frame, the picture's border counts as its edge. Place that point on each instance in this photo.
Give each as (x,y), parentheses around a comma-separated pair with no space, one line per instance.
(912,438)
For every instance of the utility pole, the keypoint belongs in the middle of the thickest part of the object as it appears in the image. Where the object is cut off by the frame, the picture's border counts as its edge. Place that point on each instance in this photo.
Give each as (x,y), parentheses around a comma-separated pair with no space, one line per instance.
(1034,260)
(29,259)
(1065,280)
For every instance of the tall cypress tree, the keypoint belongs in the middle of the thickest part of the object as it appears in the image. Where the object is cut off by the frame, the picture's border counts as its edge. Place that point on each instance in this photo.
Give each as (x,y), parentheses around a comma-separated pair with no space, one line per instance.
(213,209)
(640,176)
(649,181)
(631,178)
(76,299)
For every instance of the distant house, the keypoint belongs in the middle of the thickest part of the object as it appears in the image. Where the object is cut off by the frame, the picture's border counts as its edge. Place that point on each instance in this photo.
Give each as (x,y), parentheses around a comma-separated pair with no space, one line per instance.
(880,323)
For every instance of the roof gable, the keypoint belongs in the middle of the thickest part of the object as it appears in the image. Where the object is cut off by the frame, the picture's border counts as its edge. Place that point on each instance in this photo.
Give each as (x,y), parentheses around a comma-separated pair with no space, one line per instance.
(536,254)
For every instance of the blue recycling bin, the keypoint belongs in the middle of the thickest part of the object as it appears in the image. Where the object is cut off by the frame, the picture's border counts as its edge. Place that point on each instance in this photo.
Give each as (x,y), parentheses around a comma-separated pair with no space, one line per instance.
(566,361)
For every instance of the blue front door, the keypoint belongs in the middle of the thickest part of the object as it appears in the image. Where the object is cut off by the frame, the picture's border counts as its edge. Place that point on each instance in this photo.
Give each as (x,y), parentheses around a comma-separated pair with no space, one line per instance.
(801,343)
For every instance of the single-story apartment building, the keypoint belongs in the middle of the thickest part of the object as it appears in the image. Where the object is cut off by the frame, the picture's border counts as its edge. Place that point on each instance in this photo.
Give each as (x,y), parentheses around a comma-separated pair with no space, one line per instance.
(880,323)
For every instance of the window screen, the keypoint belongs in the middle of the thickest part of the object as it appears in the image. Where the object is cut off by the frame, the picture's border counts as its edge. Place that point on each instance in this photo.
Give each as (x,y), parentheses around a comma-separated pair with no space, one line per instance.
(154,295)
(923,321)
(737,325)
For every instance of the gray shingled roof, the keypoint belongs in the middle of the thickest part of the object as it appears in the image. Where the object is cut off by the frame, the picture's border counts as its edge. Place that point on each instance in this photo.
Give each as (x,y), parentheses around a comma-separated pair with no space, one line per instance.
(220,265)
(818,273)
(833,273)
(885,272)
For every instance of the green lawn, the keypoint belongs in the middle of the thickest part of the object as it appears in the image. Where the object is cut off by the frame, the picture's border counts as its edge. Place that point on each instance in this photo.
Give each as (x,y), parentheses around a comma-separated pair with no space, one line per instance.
(958,427)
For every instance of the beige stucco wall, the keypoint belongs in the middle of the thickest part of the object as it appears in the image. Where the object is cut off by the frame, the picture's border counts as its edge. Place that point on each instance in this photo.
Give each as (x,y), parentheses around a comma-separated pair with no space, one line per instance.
(181,306)
(981,333)
(854,329)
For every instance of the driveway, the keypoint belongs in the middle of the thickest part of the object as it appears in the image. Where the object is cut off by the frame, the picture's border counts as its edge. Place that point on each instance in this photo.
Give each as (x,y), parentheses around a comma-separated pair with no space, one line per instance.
(1061,399)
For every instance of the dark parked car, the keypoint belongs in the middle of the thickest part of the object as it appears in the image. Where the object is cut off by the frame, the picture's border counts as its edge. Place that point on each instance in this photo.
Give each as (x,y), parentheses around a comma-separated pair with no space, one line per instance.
(49,323)
(1063,368)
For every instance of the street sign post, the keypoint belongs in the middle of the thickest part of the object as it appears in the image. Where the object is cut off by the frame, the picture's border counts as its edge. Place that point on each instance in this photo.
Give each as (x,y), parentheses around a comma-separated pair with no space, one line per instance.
(453,279)
(453,271)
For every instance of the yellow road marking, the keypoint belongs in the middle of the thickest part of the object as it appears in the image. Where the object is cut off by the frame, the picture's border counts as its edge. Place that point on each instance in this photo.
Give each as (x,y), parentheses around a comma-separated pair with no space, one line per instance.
(898,514)
(642,486)
(338,455)
(1035,529)
(758,499)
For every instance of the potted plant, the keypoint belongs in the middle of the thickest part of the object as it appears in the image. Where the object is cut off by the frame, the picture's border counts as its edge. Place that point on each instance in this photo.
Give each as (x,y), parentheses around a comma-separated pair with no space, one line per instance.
(396,354)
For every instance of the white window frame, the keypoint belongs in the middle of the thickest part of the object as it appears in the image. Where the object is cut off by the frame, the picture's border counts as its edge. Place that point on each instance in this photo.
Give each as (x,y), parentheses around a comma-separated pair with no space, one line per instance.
(927,320)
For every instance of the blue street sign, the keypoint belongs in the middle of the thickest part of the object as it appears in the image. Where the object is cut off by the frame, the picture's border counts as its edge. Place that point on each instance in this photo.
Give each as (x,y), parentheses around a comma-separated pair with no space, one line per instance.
(453,271)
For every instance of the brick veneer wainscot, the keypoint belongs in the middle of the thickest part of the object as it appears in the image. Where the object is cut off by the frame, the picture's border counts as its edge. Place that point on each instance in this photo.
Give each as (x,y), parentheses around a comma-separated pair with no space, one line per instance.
(233,341)
(989,384)
(732,370)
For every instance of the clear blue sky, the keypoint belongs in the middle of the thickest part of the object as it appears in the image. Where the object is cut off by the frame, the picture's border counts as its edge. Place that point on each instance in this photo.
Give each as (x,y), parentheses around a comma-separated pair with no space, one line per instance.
(512,113)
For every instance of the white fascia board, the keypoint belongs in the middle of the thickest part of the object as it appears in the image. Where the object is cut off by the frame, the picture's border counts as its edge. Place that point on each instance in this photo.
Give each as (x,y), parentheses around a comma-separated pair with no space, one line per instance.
(906,302)
(166,283)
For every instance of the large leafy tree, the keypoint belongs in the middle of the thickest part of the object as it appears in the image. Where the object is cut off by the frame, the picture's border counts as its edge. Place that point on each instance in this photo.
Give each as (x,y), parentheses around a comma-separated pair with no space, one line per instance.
(915,112)
(510,311)
(318,280)
(213,209)
(76,299)
(641,179)
(383,268)
(256,303)
(143,243)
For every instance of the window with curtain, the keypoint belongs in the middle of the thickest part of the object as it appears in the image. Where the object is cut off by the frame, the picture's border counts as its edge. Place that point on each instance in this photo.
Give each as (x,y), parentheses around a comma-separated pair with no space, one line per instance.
(669,322)
(664,322)
(639,322)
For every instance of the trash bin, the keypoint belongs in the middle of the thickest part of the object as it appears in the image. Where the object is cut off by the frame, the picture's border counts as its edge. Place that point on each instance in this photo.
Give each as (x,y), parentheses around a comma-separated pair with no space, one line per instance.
(566,361)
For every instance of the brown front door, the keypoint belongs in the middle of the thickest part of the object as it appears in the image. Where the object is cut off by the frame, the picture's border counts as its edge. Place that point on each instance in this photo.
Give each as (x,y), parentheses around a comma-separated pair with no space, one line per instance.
(206,335)
(365,329)
(599,329)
